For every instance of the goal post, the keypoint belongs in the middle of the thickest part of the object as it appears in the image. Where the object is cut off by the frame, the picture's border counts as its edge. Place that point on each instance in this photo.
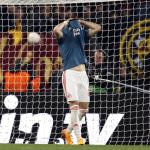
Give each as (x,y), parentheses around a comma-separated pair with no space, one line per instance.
(33,106)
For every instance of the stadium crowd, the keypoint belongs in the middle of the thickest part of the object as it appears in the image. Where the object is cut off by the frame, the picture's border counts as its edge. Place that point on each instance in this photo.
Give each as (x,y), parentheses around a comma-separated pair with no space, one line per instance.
(102,51)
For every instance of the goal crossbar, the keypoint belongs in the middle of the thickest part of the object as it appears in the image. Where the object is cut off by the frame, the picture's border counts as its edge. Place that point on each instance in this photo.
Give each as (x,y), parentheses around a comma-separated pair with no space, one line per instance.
(37,2)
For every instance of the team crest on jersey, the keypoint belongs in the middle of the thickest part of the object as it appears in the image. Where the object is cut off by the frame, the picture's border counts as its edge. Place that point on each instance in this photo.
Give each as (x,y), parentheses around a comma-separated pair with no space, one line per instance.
(76,31)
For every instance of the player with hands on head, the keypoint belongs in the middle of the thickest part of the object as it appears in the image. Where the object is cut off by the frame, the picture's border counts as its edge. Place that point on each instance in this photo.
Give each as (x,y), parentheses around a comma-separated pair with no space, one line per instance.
(71,38)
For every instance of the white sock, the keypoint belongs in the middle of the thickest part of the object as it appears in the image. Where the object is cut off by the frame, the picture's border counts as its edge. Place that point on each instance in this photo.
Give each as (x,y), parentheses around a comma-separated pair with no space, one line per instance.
(75,122)
(81,114)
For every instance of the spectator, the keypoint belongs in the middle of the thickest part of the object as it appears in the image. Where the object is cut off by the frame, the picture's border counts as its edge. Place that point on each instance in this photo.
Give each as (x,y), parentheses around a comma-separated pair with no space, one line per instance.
(46,14)
(70,11)
(40,19)
(99,13)
(101,65)
(6,18)
(101,70)
(89,13)
(12,17)
(45,19)
(99,57)
(67,12)
(58,14)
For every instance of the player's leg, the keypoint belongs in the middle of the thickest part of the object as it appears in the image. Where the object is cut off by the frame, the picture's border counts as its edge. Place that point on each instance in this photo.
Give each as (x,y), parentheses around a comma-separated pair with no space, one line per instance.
(83,94)
(70,89)
(74,123)
(84,99)
(66,133)
(83,109)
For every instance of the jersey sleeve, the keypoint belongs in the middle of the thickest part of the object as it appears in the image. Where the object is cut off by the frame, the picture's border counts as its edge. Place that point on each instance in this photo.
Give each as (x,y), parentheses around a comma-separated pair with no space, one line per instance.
(60,40)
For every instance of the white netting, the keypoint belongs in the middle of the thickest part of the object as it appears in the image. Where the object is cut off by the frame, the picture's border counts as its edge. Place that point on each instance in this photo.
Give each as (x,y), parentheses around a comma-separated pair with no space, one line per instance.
(118,69)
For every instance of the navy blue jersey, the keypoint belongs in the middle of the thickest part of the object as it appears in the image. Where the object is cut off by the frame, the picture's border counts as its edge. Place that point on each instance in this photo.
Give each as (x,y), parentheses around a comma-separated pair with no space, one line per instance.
(71,45)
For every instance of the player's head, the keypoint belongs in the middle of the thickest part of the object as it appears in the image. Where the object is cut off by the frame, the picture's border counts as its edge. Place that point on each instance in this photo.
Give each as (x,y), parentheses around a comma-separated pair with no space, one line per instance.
(74,23)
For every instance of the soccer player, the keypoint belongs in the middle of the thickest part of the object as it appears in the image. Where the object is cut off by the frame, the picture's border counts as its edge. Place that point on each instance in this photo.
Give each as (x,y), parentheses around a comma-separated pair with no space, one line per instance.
(71,39)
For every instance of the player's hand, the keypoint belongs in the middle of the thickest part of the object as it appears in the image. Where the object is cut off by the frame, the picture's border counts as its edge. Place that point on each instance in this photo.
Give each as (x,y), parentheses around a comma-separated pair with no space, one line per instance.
(66,22)
(82,22)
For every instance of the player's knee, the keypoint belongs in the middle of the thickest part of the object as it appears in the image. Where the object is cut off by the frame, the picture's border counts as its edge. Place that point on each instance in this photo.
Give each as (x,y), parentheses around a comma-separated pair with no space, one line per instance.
(74,107)
(72,103)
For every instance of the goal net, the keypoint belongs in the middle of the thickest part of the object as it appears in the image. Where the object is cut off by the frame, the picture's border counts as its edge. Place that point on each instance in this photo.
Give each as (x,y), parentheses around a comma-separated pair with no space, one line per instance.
(33,106)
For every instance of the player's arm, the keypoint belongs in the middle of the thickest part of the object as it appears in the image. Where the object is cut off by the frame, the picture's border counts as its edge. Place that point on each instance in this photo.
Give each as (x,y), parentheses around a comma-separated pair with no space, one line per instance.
(58,29)
(93,27)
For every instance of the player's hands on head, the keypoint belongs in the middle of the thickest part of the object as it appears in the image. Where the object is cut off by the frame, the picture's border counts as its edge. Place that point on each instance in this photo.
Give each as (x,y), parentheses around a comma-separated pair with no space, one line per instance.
(81,21)
(66,22)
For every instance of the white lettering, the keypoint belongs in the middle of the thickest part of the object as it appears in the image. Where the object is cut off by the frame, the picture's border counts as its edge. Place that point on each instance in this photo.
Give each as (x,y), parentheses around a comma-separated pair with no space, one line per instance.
(59,141)
(93,127)
(109,127)
(45,122)
(19,141)
(6,126)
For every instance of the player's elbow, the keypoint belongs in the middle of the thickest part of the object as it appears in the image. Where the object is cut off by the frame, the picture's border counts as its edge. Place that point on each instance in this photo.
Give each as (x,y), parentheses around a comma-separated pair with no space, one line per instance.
(57,33)
(55,30)
(98,28)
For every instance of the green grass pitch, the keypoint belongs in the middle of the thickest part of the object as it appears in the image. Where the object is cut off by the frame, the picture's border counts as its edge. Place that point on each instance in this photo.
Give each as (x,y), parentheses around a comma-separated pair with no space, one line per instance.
(68,147)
